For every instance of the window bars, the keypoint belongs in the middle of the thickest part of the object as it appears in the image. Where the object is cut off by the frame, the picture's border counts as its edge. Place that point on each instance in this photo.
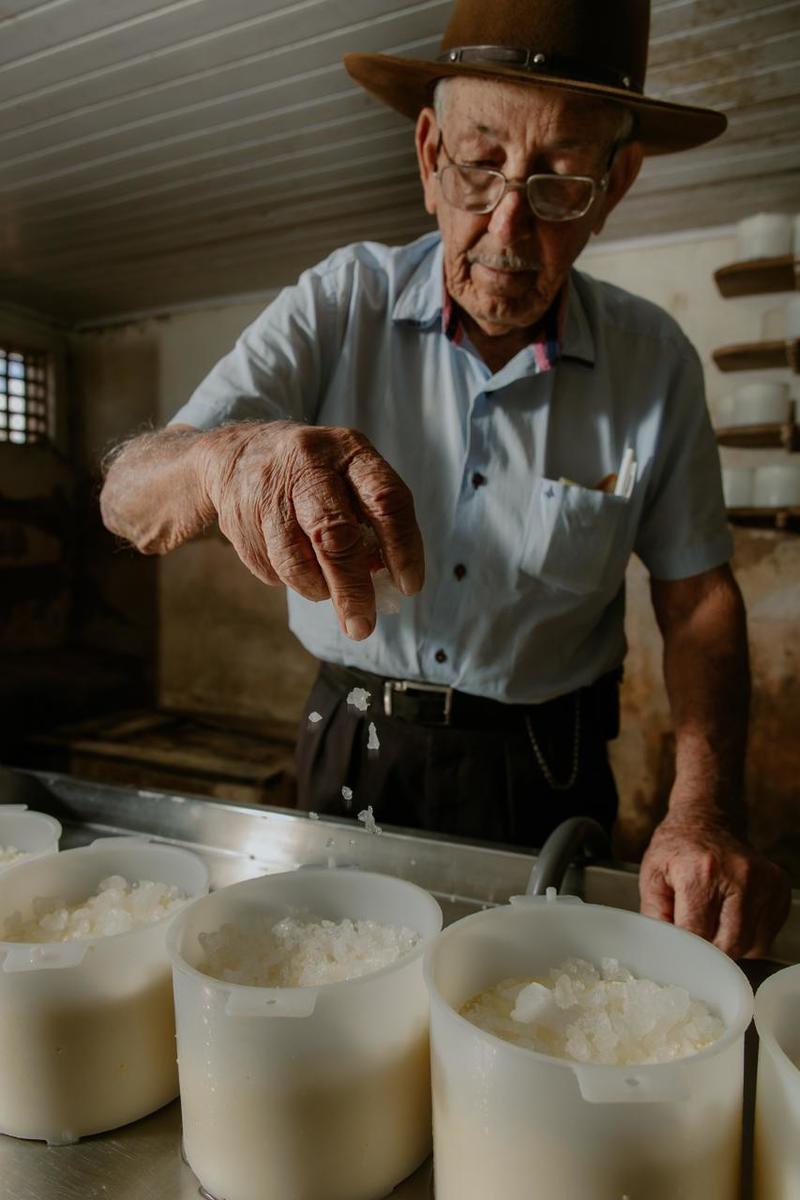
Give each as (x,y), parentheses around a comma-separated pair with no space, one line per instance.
(23,396)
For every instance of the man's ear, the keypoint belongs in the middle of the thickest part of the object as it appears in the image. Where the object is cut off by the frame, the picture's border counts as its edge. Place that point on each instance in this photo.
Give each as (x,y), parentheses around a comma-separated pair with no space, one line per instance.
(426,138)
(626,167)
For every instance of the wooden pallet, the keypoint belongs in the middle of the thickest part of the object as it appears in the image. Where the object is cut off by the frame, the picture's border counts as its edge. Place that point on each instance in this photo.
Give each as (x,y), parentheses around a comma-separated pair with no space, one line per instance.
(207,754)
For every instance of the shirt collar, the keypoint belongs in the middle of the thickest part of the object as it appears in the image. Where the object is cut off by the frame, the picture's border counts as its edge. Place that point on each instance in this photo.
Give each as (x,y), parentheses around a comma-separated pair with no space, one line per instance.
(577,340)
(422,303)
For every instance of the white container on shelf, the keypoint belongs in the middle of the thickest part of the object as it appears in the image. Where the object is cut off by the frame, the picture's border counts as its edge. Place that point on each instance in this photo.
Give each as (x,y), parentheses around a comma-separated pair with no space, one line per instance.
(761,403)
(792,317)
(777,1119)
(32,833)
(777,486)
(310,1093)
(764,235)
(737,486)
(87,1032)
(512,1123)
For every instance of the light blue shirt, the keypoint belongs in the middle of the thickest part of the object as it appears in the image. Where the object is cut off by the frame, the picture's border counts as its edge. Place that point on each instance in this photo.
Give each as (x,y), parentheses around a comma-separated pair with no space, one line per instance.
(539,609)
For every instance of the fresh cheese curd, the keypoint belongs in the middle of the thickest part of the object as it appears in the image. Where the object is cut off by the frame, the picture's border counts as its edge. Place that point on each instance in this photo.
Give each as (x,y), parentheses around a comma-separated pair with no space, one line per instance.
(117,906)
(604,1015)
(303,953)
(9,854)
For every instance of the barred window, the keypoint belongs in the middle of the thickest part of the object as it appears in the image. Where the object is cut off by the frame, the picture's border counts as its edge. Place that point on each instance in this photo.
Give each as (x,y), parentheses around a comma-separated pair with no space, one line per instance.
(23,396)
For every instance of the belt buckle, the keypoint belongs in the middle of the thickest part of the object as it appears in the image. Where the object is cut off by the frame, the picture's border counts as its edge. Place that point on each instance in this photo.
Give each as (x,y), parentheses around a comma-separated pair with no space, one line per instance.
(409,688)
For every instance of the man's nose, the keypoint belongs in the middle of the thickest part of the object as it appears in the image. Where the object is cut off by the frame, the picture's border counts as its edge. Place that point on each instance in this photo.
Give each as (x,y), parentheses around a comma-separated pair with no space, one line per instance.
(514,212)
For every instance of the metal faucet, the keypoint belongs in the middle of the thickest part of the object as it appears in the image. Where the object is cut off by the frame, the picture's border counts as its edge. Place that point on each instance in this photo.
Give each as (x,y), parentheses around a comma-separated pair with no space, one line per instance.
(565,842)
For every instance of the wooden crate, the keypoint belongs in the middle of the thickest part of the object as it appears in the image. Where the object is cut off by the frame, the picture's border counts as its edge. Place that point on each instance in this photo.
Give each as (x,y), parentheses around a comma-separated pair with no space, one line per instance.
(211,755)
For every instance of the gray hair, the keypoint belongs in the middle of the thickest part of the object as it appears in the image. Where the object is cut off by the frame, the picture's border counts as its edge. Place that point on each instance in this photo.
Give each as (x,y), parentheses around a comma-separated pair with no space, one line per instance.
(626,123)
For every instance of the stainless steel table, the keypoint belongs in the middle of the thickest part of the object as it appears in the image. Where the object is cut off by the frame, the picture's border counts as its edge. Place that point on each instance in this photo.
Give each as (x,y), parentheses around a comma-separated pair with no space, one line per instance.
(143,1161)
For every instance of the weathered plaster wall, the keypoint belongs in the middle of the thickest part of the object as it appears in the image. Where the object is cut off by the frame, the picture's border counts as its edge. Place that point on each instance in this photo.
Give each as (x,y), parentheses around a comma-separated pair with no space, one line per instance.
(225,644)
(114,392)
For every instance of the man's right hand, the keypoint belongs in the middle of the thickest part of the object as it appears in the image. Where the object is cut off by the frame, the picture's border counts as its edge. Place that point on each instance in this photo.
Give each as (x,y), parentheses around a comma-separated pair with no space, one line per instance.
(292,500)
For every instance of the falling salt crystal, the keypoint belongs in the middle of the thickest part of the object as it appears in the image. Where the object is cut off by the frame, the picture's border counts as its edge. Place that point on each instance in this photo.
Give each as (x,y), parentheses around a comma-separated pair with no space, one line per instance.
(359,698)
(313,816)
(314,717)
(412,862)
(331,862)
(347,793)
(368,817)
(387,597)
(372,739)
(330,842)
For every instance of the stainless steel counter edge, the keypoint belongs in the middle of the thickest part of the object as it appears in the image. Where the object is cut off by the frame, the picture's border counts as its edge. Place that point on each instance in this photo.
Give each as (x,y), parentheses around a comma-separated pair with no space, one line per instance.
(285,839)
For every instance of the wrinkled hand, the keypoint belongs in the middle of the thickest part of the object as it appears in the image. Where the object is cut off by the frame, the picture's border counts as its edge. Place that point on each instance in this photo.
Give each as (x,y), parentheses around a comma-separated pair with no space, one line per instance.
(292,500)
(703,878)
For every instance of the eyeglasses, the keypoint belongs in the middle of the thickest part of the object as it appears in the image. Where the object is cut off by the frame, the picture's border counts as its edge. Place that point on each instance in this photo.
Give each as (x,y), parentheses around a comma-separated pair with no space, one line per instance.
(551,197)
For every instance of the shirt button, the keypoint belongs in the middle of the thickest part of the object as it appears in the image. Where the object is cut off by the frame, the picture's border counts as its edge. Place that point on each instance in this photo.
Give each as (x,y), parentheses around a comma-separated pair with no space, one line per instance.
(478,480)
(440,656)
(459,570)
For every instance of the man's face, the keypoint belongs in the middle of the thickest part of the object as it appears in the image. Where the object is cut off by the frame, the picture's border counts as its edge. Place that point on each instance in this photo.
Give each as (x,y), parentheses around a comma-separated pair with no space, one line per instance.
(504,268)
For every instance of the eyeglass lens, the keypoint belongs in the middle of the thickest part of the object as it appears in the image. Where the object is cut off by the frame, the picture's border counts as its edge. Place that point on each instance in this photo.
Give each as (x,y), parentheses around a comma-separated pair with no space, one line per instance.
(555,198)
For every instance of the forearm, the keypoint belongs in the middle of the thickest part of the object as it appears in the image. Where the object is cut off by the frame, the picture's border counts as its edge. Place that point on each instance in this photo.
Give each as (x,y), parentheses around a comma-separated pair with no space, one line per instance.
(707,675)
(699,870)
(153,495)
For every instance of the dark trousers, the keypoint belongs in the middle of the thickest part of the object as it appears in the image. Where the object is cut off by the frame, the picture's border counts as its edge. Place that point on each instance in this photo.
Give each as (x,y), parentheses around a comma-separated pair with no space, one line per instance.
(483,783)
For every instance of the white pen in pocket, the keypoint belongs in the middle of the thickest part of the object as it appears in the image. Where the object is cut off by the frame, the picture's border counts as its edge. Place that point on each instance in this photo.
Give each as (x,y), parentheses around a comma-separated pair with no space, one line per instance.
(626,476)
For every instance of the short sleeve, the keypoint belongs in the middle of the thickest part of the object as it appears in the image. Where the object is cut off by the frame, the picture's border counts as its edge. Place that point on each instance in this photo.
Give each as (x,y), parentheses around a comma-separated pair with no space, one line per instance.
(684,529)
(278,368)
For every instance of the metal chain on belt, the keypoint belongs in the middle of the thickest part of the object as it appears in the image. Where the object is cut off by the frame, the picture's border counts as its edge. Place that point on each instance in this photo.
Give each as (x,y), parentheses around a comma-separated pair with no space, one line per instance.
(550,779)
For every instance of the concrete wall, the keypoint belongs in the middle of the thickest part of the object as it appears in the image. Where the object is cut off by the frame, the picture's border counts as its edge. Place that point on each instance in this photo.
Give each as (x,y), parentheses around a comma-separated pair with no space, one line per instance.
(223,642)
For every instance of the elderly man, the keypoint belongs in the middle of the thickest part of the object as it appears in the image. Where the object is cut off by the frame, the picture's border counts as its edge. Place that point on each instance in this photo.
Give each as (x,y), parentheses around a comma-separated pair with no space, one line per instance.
(539,425)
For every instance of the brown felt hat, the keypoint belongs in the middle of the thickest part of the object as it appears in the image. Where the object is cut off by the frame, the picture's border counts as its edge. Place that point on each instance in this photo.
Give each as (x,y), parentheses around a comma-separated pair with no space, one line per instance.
(591,47)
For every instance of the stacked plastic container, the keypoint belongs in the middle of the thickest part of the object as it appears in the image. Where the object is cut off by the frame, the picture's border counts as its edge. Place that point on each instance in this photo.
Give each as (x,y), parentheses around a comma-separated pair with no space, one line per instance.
(307,1093)
(777,1125)
(514,1123)
(31,834)
(87,1032)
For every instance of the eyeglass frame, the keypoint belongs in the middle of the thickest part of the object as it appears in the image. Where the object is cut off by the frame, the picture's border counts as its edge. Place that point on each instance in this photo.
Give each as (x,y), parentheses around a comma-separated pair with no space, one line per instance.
(510,185)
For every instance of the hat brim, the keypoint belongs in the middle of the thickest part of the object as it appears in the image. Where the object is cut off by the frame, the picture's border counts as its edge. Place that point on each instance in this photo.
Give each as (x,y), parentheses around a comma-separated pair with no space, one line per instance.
(406,84)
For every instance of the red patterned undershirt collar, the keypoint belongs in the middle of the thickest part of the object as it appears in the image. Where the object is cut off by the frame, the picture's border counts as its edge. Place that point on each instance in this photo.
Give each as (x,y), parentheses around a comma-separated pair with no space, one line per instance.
(546,342)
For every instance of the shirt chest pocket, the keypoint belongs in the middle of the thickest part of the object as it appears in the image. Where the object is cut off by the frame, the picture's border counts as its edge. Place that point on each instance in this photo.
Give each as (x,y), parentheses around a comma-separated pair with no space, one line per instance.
(577,538)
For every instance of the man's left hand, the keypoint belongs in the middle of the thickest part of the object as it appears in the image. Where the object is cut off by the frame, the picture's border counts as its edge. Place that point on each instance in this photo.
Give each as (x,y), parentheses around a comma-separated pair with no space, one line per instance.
(705,879)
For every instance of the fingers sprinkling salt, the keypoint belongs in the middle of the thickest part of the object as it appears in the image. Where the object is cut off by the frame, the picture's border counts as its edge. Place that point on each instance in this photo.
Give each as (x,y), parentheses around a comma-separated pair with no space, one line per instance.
(372,738)
(314,717)
(347,793)
(368,818)
(359,698)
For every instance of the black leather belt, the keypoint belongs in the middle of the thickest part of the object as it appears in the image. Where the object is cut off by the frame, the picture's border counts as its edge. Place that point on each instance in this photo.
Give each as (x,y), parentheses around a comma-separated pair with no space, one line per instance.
(437,704)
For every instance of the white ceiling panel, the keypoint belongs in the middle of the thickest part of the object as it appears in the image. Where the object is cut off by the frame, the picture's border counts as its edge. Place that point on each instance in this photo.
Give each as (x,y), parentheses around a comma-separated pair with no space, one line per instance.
(156,153)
